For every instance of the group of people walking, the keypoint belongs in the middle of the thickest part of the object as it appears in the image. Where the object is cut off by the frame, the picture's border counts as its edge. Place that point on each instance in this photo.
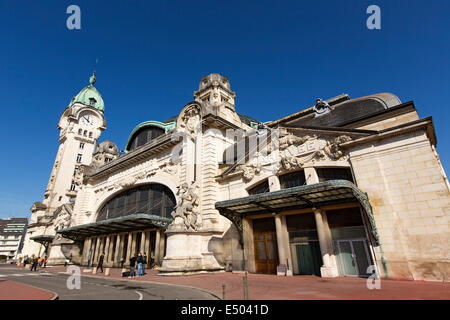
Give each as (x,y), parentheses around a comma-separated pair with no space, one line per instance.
(141,261)
(138,259)
(35,262)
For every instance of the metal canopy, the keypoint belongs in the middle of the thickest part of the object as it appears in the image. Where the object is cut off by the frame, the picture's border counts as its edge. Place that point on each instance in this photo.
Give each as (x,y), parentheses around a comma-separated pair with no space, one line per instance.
(44,239)
(115,225)
(307,196)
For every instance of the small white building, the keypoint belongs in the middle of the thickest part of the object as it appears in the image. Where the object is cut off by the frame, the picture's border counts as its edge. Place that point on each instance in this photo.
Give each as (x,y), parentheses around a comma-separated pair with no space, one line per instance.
(11,237)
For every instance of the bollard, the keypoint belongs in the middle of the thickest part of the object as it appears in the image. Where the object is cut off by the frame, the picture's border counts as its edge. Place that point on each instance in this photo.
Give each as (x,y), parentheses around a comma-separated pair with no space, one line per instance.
(245,286)
(223,291)
(94,270)
(107,272)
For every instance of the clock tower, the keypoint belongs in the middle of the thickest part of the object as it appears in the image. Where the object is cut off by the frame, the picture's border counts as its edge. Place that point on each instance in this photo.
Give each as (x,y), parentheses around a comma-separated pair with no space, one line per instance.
(80,127)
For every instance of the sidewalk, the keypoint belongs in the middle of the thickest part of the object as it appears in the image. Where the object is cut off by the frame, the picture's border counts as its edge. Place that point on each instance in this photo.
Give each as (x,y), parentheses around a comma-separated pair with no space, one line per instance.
(11,290)
(271,287)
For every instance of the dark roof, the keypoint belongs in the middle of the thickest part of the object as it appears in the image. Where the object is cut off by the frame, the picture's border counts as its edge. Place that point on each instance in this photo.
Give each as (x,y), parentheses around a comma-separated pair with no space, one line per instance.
(342,111)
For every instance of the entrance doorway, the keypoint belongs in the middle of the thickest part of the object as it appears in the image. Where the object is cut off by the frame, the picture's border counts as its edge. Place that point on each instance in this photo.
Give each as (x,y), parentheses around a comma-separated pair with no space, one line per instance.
(353,257)
(309,258)
(266,253)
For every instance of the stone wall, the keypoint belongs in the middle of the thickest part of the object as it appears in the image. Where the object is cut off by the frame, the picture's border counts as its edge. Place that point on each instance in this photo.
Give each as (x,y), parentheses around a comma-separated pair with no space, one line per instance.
(411,204)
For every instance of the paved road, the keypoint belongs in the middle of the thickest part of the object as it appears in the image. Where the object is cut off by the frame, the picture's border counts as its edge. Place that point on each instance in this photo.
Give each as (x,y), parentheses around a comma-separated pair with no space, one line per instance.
(93,288)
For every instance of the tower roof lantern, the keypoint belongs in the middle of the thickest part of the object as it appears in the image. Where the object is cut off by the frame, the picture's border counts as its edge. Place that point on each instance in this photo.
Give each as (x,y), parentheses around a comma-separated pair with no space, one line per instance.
(90,96)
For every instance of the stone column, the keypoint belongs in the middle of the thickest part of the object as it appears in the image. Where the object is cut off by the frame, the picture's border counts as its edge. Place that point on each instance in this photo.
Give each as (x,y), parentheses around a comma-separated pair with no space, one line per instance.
(117,256)
(128,255)
(147,247)
(97,248)
(111,251)
(106,250)
(162,245)
(142,249)
(157,247)
(85,250)
(285,236)
(280,244)
(327,270)
(329,240)
(133,246)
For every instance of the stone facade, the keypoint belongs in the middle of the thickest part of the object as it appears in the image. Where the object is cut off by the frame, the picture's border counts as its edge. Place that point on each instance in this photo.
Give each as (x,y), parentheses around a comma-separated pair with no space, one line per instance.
(393,213)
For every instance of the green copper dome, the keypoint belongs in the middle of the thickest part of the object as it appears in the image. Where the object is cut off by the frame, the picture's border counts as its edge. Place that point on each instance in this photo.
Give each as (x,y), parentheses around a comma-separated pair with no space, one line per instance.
(90,96)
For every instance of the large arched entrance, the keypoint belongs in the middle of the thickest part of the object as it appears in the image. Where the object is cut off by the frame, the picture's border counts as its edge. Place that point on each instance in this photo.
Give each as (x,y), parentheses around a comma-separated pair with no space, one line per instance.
(132,221)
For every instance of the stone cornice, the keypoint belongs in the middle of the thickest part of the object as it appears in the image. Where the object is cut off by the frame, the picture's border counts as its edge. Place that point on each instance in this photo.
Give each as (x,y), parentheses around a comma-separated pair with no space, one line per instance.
(152,147)
(422,124)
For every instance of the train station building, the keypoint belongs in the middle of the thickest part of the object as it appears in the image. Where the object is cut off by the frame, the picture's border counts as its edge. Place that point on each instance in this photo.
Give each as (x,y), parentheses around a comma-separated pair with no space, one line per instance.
(345,187)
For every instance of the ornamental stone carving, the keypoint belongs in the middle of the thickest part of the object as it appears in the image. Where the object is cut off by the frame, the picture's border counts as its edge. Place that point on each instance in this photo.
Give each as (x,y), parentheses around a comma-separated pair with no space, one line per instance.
(191,119)
(186,214)
(78,179)
(249,171)
(333,148)
(62,219)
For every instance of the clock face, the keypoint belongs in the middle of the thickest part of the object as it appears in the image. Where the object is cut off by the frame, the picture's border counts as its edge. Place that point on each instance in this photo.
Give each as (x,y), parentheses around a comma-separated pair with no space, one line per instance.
(87,120)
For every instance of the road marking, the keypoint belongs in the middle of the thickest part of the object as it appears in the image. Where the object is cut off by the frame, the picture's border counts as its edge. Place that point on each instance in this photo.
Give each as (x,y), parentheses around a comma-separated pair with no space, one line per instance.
(1,276)
(140,295)
(17,275)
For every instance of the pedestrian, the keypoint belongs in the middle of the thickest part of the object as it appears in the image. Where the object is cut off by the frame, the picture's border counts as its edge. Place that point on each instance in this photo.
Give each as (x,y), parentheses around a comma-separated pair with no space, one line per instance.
(144,263)
(45,261)
(25,261)
(40,261)
(132,264)
(139,261)
(34,264)
(100,262)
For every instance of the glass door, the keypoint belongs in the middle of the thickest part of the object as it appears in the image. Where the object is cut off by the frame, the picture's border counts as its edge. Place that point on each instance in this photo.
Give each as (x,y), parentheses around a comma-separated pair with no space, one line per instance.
(353,257)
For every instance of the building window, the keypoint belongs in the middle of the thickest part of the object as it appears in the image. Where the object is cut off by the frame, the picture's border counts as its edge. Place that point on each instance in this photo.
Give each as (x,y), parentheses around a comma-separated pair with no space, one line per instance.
(92,102)
(326,174)
(152,199)
(80,131)
(144,135)
(81,145)
(72,186)
(75,171)
(293,179)
(259,188)
(60,197)
(85,133)
(90,134)
(79,157)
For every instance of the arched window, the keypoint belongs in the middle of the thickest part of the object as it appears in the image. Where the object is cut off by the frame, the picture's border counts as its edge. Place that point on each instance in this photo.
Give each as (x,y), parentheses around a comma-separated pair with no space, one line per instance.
(144,135)
(152,199)
(80,131)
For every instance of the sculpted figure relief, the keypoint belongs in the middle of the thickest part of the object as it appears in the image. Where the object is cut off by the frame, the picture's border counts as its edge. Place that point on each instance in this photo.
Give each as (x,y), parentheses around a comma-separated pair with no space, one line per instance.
(191,119)
(62,220)
(187,208)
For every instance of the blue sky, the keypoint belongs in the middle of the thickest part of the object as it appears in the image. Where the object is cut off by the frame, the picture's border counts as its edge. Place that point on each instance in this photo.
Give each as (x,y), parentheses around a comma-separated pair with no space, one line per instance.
(278,55)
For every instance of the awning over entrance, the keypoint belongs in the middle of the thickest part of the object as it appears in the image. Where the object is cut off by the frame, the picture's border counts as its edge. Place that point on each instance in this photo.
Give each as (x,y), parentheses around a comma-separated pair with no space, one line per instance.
(43,239)
(114,225)
(307,196)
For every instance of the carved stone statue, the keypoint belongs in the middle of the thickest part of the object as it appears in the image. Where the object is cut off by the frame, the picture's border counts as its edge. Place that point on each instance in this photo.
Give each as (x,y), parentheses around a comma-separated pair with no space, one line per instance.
(187,208)
(322,107)
(62,220)
(191,119)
